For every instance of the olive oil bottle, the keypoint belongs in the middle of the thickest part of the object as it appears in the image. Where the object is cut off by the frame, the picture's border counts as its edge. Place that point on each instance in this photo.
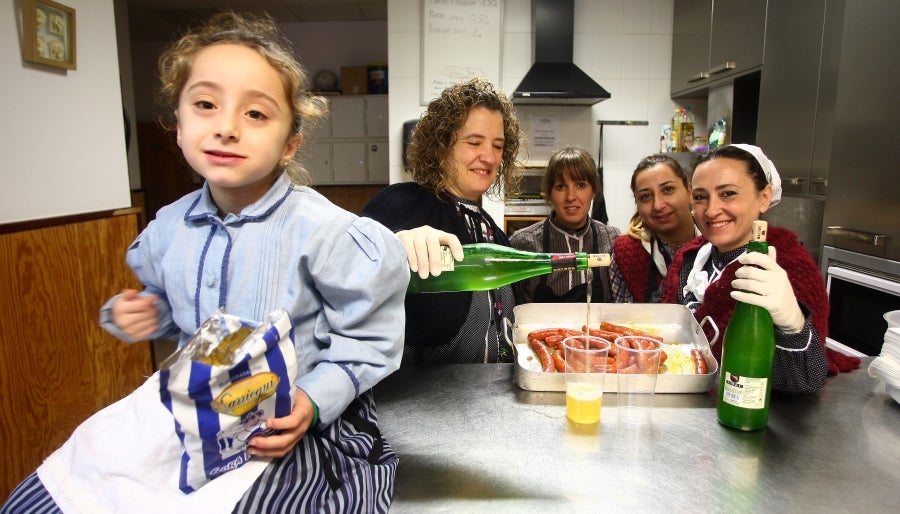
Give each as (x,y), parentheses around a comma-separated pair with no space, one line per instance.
(489,266)
(745,376)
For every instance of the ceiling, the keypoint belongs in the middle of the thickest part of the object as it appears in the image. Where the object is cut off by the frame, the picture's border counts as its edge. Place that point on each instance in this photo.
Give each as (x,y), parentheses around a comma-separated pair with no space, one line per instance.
(147,15)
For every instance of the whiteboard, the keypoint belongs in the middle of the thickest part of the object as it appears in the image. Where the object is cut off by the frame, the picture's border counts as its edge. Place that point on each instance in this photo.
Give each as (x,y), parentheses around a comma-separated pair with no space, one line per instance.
(460,41)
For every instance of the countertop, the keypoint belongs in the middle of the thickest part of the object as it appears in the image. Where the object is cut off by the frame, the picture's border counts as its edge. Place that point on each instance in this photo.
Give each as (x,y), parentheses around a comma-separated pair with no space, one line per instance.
(470,440)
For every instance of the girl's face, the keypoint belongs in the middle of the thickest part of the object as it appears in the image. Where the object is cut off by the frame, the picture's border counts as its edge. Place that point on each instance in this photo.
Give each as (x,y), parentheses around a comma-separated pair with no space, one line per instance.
(476,154)
(571,200)
(663,202)
(234,123)
(726,202)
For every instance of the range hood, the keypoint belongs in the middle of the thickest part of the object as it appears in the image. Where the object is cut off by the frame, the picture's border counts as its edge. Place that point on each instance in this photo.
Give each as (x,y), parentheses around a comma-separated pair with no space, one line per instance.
(553,78)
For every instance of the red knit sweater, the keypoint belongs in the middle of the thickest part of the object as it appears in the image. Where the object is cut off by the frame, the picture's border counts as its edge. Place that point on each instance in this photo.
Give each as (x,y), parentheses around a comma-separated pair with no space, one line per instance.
(633,262)
(803,273)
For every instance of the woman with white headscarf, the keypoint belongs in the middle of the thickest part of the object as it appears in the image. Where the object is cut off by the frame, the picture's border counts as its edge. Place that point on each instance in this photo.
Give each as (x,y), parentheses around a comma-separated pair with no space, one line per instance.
(731,187)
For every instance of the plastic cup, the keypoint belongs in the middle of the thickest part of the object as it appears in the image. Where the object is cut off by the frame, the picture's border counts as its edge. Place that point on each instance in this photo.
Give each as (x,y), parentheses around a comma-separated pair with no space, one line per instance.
(637,366)
(586,364)
(892,318)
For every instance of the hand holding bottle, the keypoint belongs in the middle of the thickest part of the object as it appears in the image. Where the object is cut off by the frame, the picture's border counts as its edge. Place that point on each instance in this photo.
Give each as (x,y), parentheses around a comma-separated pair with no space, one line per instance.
(761,281)
(423,249)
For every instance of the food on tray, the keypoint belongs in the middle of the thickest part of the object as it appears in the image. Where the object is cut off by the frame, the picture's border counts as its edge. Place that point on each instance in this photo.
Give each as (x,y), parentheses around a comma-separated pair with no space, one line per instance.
(546,345)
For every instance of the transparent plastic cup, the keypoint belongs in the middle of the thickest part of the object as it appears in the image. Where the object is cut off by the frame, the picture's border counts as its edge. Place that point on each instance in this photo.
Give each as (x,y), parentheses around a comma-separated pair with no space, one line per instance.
(586,365)
(637,366)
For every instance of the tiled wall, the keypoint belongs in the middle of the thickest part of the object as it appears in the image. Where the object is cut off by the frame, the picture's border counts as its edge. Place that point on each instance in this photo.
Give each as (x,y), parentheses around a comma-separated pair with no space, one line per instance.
(625,45)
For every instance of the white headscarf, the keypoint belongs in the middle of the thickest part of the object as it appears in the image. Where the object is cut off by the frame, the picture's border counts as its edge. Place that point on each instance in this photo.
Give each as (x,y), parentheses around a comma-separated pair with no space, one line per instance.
(768,168)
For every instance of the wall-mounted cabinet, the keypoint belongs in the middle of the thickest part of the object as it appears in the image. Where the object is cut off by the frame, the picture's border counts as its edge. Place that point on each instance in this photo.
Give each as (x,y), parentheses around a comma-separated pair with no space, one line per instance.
(714,41)
(794,94)
(351,146)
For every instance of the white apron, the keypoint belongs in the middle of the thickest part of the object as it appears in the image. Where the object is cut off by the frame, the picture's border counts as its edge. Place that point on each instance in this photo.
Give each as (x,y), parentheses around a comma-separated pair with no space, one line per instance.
(126,459)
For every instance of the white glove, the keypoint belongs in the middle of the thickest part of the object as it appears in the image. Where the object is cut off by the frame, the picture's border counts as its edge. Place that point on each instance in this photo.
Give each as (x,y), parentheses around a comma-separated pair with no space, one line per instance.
(423,249)
(773,290)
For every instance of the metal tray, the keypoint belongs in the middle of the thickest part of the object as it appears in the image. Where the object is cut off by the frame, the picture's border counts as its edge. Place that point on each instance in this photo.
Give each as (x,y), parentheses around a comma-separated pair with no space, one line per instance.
(675,324)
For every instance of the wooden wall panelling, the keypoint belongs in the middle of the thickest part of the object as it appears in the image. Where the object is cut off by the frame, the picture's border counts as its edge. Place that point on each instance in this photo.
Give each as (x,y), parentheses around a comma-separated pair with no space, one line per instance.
(57,366)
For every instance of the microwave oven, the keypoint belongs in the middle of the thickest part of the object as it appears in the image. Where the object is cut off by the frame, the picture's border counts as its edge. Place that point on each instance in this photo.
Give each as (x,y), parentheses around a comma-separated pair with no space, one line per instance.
(861,288)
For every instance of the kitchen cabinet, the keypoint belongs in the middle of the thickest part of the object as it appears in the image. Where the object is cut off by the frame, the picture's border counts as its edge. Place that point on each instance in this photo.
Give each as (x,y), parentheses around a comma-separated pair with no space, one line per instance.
(351,146)
(715,41)
(789,93)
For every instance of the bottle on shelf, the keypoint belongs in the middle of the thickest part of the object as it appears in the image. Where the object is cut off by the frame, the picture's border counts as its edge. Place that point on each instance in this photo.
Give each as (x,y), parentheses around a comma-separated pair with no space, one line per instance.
(687,130)
(675,135)
(489,266)
(748,351)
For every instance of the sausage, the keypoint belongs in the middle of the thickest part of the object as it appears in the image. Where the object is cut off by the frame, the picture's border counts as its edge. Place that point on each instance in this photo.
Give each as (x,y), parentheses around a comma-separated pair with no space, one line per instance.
(543,353)
(699,362)
(625,331)
(554,341)
(543,333)
(559,361)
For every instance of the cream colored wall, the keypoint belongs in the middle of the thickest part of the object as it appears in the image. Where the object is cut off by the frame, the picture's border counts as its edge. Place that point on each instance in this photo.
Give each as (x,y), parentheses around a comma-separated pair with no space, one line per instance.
(625,45)
(63,133)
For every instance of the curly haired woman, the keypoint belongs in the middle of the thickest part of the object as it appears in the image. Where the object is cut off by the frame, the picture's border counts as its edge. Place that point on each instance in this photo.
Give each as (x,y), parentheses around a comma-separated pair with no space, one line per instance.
(463,147)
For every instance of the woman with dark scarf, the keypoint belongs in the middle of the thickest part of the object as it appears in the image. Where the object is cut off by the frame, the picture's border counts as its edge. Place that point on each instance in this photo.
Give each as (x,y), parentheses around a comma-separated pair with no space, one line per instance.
(570,183)
(464,146)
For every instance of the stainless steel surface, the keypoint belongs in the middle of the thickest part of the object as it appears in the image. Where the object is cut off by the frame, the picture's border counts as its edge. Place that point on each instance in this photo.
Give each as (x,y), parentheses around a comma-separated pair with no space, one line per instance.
(859,236)
(674,323)
(863,190)
(471,441)
(863,263)
(725,66)
(802,214)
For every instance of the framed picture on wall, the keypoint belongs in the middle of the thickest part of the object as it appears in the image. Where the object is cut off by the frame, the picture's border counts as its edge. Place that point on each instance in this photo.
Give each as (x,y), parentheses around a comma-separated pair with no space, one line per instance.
(48,30)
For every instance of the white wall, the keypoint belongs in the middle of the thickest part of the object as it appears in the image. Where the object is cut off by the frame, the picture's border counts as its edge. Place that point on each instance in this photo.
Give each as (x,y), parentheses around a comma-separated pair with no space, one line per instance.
(625,45)
(62,138)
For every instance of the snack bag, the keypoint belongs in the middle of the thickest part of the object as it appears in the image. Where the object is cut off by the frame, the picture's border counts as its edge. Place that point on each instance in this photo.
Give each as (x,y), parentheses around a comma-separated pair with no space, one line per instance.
(222,386)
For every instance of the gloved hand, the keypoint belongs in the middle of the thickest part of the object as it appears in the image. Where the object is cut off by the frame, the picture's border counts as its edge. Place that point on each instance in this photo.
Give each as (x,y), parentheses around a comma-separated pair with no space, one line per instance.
(773,290)
(423,249)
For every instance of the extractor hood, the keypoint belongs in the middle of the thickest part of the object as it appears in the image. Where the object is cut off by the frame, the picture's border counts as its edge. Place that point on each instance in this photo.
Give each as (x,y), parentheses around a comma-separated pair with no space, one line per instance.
(553,78)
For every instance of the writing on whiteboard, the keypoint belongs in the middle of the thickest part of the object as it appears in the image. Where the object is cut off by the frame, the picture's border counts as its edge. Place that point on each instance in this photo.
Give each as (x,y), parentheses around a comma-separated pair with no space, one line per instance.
(460,41)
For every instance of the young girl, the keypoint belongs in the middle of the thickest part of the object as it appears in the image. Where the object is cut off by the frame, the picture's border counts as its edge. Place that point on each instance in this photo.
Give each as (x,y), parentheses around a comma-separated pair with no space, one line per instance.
(253,240)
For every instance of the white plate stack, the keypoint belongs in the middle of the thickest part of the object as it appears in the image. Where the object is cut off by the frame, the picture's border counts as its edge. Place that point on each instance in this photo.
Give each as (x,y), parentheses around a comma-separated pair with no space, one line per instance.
(887,365)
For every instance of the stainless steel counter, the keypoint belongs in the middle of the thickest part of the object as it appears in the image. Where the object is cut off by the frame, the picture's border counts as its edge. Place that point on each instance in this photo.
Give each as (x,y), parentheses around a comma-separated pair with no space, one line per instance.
(471,441)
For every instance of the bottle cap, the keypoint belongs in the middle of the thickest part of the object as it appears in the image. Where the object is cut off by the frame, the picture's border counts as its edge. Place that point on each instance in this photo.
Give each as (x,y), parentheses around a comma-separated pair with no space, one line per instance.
(598,259)
(758,230)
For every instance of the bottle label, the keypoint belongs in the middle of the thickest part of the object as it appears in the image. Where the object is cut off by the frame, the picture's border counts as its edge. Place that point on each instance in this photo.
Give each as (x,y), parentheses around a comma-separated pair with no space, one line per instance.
(447,262)
(745,392)
(563,261)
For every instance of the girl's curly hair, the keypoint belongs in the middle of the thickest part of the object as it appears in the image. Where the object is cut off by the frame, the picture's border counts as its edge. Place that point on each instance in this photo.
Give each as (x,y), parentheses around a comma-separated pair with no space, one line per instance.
(435,133)
(258,33)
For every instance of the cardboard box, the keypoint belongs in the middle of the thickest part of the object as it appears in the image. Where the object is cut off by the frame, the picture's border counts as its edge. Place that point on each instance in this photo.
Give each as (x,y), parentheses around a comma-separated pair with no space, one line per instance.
(354,80)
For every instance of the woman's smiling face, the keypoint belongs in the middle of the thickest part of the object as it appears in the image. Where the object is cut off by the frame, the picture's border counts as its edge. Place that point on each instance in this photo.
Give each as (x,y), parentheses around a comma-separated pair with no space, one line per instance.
(476,154)
(726,202)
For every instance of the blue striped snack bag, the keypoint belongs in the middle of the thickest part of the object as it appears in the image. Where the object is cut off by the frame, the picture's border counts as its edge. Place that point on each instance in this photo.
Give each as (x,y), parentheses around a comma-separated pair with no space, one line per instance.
(222,386)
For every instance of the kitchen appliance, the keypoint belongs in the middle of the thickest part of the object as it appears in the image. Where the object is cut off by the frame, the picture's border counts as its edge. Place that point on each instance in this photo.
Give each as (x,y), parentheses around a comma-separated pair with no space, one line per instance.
(861,289)
(528,206)
(862,205)
(554,79)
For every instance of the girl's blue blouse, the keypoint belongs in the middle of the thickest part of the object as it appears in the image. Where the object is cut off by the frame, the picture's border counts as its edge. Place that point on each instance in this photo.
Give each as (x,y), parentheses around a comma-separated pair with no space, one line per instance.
(341,277)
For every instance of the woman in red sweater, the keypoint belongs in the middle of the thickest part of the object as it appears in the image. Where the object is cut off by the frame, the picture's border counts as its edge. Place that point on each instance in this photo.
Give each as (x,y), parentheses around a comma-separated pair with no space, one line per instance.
(662,223)
(731,187)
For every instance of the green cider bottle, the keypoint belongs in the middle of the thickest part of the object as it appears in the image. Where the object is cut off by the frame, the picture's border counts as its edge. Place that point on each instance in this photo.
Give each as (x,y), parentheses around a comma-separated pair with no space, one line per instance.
(489,266)
(748,350)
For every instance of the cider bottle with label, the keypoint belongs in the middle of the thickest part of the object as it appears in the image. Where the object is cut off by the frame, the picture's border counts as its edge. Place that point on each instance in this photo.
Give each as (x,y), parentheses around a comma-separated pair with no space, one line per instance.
(748,351)
(489,266)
